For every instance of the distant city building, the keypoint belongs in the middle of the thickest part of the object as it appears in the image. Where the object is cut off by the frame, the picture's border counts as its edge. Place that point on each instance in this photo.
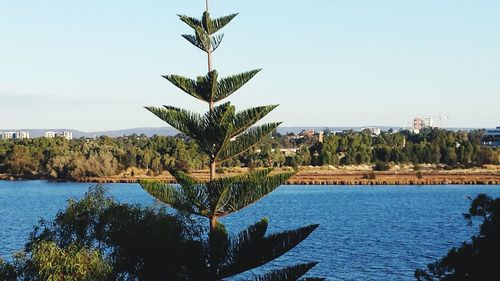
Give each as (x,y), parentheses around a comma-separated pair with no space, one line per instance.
(50,135)
(306,133)
(286,151)
(289,151)
(22,135)
(422,123)
(67,135)
(321,135)
(492,137)
(15,135)
(8,135)
(64,134)
(375,131)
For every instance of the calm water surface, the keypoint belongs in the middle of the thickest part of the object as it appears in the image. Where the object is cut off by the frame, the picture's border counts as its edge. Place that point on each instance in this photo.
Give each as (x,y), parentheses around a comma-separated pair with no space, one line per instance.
(366,233)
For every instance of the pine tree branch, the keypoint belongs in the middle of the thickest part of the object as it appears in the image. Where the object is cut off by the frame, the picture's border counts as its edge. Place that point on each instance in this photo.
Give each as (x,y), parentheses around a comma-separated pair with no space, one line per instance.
(211,26)
(231,84)
(194,23)
(185,121)
(201,39)
(194,40)
(218,191)
(245,142)
(291,273)
(247,118)
(195,191)
(219,23)
(230,194)
(252,187)
(203,88)
(215,41)
(248,238)
(187,85)
(216,128)
(208,88)
(264,251)
(169,195)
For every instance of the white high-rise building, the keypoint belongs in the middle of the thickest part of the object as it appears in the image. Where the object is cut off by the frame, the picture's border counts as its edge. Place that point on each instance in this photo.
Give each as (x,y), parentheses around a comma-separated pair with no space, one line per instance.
(422,123)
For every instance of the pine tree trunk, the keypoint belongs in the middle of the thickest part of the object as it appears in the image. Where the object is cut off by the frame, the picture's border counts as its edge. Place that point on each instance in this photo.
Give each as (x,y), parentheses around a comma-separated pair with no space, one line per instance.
(212,170)
(209,60)
(213,224)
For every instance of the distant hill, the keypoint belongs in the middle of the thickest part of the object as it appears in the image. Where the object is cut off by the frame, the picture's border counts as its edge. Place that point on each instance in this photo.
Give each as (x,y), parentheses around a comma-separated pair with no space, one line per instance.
(35,133)
(169,131)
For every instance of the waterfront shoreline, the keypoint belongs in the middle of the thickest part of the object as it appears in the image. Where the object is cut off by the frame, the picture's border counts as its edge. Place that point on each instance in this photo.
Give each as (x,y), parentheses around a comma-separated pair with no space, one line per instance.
(325,176)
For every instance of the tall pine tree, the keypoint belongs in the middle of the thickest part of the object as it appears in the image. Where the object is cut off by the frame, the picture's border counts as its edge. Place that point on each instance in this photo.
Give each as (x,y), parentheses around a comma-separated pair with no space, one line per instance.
(222,134)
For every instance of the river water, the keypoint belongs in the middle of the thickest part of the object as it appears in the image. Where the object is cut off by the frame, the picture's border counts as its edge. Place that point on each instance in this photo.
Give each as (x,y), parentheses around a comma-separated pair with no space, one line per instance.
(365,233)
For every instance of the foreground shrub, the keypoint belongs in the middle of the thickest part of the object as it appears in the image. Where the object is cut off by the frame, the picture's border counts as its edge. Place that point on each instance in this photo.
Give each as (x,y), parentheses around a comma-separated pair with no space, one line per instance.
(478,259)
(47,261)
(101,239)
(70,263)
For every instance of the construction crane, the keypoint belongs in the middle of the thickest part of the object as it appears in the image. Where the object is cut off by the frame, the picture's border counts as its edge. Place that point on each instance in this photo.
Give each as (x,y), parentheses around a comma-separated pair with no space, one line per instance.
(441,120)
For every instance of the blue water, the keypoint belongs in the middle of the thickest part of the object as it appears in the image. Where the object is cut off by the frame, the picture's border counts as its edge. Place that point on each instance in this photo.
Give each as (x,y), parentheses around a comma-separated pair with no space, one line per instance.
(366,233)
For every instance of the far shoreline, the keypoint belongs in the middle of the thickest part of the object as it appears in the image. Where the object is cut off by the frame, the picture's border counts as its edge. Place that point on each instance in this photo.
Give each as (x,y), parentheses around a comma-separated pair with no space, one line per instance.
(347,176)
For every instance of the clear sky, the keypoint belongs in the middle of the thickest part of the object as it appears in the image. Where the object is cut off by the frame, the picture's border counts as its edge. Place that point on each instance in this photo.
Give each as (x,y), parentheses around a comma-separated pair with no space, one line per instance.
(92,65)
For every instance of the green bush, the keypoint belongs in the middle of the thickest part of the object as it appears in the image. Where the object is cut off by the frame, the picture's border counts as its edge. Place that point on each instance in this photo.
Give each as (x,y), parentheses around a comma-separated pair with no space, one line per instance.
(72,263)
(48,261)
(136,244)
(381,166)
(475,260)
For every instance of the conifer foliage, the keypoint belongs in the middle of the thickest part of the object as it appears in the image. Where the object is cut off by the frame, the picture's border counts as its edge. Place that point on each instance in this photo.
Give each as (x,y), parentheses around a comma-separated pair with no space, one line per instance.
(222,134)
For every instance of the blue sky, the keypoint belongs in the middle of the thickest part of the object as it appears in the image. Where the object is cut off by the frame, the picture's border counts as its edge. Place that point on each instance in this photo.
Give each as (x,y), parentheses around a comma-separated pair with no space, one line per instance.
(92,65)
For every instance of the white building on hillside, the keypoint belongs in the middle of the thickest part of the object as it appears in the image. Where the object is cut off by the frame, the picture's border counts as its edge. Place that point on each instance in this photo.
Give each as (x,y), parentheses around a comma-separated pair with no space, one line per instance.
(67,135)
(64,134)
(15,135)
(22,135)
(50,134)
(8,135)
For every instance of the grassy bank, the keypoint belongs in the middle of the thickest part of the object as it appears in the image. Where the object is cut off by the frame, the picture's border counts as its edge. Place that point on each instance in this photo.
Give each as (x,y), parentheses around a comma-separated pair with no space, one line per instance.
(346,175)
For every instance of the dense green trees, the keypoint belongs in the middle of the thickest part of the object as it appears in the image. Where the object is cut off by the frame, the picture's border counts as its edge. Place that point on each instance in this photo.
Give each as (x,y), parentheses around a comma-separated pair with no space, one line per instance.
(434,146)
(478,260)
(59,158)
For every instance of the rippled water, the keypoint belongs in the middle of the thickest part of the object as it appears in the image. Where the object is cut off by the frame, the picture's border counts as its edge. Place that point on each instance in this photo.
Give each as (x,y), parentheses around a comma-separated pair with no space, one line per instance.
(366,233)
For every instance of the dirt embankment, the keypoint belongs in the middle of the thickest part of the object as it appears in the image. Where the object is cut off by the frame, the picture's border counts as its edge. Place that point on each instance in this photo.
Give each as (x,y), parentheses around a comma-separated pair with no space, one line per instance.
(354,175)
(351,175)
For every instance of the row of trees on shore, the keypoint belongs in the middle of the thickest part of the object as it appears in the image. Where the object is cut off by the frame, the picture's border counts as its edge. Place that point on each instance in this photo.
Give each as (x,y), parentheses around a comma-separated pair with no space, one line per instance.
(62,159)
(432,146)
(59,158)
